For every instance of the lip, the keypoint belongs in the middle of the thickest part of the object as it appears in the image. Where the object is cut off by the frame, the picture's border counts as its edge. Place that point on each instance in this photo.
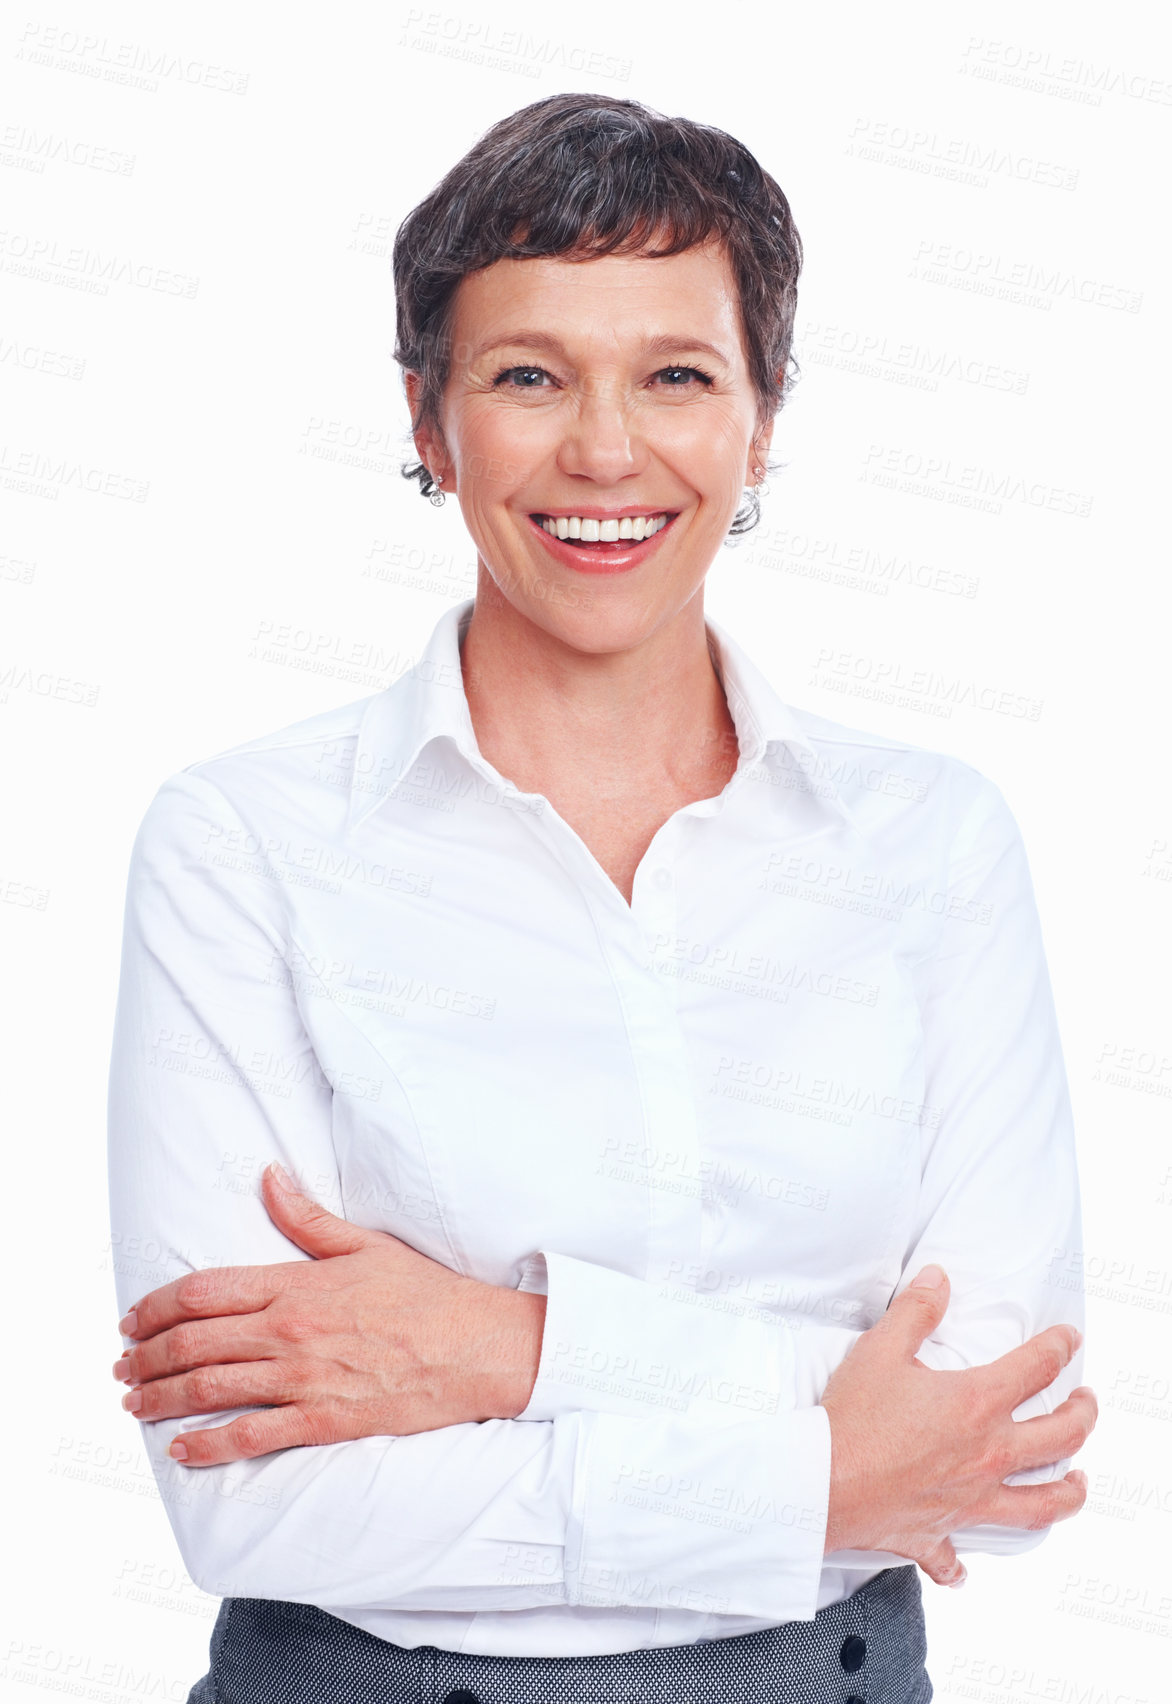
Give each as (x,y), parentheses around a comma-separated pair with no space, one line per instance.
(589,513)
(614,561)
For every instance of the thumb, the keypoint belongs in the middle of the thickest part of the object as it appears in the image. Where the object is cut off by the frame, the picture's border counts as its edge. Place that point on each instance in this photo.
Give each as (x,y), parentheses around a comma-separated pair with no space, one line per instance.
(311,1226)
(916,1312)
(943,1565)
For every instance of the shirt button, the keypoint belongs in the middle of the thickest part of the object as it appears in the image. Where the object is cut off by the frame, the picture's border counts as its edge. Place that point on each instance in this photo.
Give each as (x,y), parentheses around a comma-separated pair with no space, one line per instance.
(662,878)
(461,1696)
(853,1651)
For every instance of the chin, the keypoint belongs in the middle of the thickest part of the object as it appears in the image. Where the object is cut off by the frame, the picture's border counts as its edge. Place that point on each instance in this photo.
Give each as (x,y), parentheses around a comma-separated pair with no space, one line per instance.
(597,625)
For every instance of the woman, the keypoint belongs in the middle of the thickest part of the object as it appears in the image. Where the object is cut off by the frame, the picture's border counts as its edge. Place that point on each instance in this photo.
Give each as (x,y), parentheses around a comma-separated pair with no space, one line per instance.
(642,1048)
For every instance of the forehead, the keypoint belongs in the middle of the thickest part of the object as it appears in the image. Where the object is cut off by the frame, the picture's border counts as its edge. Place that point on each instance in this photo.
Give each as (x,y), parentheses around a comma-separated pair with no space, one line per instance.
(606,300)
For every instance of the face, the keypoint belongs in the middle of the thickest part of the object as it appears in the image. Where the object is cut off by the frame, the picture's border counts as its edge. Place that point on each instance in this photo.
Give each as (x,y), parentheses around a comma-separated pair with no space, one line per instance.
(610,397)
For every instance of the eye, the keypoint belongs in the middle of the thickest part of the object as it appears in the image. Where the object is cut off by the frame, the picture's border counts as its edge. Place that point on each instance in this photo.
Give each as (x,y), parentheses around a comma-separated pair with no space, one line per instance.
(678,373)
(529,374)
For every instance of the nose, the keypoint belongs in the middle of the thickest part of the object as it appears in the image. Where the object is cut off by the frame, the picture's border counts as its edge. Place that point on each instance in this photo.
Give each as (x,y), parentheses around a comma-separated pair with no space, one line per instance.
(601,440)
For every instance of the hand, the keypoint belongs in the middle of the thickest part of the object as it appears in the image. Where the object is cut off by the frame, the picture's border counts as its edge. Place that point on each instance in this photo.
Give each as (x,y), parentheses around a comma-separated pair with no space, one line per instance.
(918,1453)
(370,1338)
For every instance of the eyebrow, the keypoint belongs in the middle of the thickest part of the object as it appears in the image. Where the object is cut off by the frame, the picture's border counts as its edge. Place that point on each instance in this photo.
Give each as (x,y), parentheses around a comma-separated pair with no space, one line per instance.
(664,344)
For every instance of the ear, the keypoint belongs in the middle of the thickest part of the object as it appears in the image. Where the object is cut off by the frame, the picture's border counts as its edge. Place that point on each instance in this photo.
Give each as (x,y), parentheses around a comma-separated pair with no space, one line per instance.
(428,443)
(758,451)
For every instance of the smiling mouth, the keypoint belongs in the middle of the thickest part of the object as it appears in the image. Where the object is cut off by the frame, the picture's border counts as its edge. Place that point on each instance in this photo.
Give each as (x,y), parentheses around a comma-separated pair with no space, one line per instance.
(619,534)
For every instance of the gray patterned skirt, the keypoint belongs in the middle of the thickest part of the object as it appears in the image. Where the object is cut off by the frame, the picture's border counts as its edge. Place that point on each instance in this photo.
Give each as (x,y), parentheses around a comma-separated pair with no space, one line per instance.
(867,1649)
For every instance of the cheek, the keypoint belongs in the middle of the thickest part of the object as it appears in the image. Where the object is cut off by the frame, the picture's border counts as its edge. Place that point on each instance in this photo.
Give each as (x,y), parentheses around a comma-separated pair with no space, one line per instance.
(710,448)
(499,451)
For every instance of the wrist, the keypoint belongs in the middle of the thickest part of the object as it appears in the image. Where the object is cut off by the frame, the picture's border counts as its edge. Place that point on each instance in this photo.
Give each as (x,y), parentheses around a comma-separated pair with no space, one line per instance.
(512,1353)
(842,1527)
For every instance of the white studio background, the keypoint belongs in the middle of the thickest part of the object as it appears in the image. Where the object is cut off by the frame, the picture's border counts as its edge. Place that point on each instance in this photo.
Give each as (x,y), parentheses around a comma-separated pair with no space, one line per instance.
(206,537)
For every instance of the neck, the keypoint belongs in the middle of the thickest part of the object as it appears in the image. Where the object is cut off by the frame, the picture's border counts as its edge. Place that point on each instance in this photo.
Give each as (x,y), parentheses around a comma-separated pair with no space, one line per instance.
(546,712)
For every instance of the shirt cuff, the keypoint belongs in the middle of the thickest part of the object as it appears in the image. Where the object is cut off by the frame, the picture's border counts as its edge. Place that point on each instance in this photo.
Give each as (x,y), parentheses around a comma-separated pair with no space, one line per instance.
(671,1513)
(621,1345)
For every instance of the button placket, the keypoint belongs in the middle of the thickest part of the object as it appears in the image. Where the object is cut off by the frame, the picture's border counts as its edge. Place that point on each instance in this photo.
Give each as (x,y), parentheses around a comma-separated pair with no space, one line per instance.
(626,935)
(660,1057)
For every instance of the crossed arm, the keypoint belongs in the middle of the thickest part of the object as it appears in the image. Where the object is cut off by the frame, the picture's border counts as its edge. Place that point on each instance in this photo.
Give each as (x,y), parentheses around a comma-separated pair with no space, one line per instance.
(389,1370)
(375,1338)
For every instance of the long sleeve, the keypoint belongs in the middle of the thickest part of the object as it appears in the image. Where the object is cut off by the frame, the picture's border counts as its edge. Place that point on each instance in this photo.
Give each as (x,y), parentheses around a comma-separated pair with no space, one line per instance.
(998,1205)
(617,1344)
(213,1074)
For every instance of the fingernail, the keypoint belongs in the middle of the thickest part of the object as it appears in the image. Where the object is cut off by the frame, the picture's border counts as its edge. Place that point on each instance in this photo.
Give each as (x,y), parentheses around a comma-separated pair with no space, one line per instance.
(282,1179)
(959,1580)
(930,1278)
(1077,1342)
(132,1401)
(128,1325)
(122,1368)
(178,1450)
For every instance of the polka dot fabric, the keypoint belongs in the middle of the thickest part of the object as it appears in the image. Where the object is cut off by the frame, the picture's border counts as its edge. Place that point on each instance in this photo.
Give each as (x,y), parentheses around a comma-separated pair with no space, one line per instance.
(868,1649)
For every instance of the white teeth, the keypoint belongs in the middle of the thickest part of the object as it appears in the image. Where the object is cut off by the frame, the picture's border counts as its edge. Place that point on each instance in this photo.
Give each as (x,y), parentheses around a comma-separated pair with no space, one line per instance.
(592,531)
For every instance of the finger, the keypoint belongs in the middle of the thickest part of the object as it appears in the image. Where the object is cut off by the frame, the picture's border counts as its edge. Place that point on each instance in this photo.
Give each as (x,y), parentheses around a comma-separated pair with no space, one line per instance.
(1053,1437)
(206,1294)
(1023,1372)
(209,1389)
(249,1436)
(199,1343)
(943,1565)
(1033,1507)
(304,1221)
(915,1312)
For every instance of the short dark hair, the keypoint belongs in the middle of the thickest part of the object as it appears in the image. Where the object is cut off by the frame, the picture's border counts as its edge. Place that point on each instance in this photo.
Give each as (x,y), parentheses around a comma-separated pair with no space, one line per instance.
(581,175)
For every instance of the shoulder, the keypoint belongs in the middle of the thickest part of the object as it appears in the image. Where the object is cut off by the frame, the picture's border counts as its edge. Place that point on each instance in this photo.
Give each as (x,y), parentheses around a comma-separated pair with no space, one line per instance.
(892,785)
(293,778)
(870,762)
(286,749)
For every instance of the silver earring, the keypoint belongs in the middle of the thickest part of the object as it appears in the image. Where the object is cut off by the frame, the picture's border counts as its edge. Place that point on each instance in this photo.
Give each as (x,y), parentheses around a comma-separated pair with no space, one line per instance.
(437,497)
(762,486)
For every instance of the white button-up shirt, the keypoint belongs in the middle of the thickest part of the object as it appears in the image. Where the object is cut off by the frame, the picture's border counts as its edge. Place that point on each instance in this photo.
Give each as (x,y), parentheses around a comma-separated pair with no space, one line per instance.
(720,1128)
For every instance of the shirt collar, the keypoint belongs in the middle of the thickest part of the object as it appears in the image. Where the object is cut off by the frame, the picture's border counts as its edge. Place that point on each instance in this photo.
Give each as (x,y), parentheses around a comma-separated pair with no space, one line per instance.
(428,702)
(768,728)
